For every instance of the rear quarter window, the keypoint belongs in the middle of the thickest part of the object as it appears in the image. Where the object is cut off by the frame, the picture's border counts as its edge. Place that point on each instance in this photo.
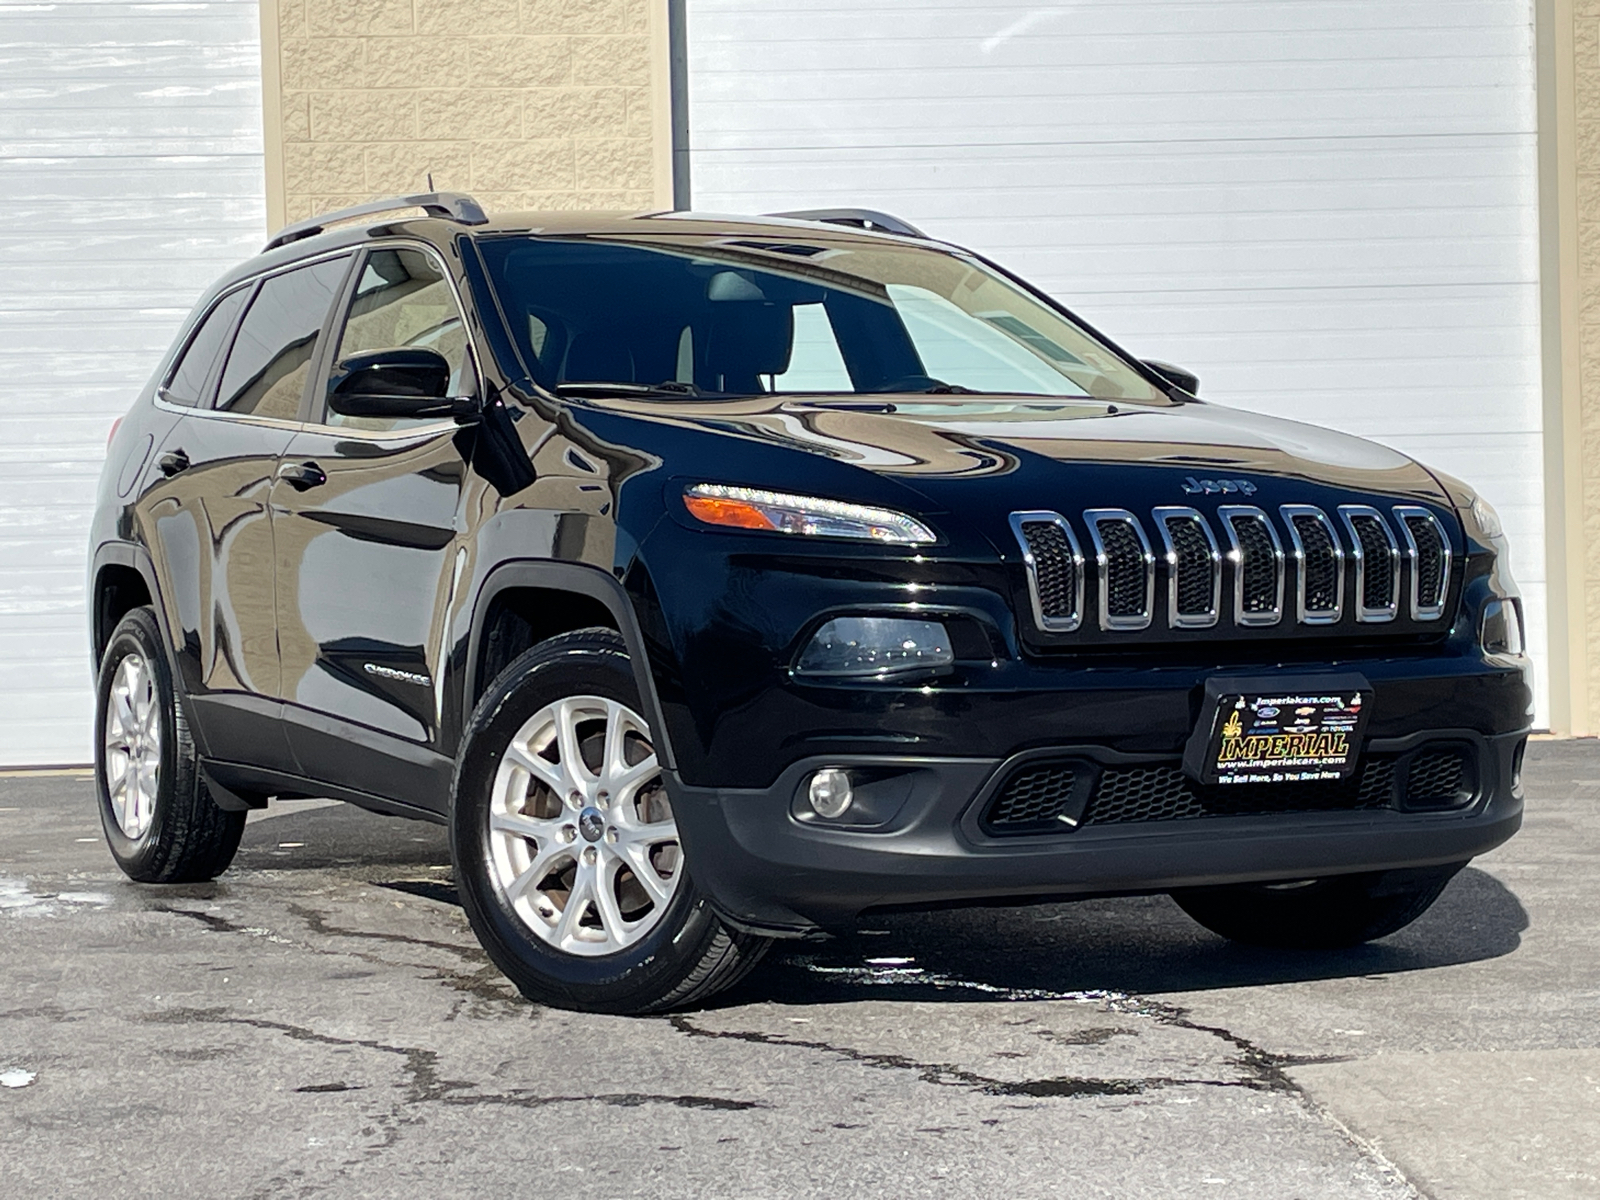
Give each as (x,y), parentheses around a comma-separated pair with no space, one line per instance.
(185,383)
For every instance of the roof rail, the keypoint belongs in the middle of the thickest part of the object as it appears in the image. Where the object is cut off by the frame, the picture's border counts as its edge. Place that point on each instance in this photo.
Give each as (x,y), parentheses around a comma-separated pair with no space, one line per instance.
(454,205)
(859,218)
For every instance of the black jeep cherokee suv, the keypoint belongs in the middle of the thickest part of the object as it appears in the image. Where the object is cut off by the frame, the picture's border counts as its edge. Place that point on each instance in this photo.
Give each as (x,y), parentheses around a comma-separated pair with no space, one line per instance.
(715,579)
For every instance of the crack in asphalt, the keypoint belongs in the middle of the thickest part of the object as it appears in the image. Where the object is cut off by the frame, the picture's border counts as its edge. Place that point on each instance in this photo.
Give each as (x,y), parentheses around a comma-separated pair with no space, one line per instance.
(424,1084)
(1262,1070)
(486,983)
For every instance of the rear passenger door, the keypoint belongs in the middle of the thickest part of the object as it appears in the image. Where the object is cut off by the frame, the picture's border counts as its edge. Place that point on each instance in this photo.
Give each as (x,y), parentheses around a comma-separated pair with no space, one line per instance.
(369,563)
(209,512)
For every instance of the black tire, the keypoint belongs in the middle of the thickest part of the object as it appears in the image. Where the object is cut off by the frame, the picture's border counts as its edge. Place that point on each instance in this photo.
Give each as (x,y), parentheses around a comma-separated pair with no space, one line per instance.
(1319,914)
(188,839)
(688,955)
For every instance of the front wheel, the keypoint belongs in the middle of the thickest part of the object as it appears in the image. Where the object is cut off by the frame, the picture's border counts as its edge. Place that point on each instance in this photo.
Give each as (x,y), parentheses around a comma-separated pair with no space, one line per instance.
(1318,914)
(567,854)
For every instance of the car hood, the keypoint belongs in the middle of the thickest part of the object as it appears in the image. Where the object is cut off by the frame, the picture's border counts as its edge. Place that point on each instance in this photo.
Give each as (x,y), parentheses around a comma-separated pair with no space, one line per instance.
(1037,452)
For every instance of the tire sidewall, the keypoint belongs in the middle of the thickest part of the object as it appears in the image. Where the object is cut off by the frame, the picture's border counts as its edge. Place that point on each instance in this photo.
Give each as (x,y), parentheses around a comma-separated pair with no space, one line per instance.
(591,663)
(141,857)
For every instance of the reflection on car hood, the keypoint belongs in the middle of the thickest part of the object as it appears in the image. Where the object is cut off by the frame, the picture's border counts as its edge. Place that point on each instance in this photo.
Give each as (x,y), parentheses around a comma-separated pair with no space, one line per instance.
(925,441)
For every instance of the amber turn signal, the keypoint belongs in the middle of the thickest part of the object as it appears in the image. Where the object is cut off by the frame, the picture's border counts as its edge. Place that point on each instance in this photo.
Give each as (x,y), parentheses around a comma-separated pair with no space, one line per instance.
(739,514)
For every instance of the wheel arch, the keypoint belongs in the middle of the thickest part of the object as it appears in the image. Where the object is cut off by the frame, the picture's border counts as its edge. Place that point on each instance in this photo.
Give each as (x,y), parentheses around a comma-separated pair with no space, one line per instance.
(551,598)
(122,578)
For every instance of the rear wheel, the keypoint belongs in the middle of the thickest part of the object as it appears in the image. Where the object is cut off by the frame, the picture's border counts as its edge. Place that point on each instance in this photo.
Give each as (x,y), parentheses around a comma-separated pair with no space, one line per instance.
(160,821)
(1318,914)
(567,854)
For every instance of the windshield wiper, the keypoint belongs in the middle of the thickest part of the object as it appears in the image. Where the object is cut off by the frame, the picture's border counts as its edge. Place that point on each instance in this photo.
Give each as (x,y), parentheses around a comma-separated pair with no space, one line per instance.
(669,387)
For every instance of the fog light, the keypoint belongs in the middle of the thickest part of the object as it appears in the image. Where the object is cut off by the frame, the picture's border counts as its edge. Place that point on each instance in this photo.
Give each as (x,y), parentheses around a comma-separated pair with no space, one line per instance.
(830,792)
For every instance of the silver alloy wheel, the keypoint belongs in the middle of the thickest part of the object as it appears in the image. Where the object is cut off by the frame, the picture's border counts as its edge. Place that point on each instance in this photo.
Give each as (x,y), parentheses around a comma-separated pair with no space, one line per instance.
(582,842)
(133,746)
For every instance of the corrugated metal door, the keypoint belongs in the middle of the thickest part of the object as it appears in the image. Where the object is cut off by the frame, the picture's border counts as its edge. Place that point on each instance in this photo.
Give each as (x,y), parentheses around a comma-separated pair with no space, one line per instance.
(131,176)
(1326,210)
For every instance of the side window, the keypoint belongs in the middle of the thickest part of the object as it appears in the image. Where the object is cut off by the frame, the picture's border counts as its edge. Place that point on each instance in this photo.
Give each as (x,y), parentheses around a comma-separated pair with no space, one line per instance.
(188,376)
(266,371)
(403,299)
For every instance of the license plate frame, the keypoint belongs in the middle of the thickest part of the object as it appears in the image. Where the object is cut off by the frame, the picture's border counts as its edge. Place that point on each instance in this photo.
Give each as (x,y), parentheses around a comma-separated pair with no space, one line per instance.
(1280,729)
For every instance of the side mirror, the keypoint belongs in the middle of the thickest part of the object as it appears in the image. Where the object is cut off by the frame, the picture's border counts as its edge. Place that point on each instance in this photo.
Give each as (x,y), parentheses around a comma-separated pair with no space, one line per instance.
(406,381)
(1184,381)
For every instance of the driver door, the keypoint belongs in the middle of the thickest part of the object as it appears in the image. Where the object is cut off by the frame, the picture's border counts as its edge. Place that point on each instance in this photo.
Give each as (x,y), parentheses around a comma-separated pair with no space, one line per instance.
(367,518)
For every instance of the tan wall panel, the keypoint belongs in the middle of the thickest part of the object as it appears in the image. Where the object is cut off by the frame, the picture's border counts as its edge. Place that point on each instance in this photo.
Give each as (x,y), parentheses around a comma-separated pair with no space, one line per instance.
(526,104)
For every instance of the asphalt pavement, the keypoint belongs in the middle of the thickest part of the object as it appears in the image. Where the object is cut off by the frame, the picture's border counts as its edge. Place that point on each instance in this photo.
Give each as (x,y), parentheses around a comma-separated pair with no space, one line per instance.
(320,1022)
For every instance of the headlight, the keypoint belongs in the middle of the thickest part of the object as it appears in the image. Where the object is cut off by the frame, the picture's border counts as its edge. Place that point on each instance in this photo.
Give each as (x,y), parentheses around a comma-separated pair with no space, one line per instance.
(779,512)
(1488,520)
(875,648)
(1500,631)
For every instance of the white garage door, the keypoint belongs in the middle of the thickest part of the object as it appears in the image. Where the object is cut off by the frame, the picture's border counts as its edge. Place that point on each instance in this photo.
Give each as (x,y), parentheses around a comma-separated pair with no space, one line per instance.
(130,176)
(1327,210)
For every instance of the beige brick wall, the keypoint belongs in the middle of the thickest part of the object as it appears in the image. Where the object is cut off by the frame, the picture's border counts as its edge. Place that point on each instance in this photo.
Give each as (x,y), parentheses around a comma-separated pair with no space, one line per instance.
(1586,87)
(526,104)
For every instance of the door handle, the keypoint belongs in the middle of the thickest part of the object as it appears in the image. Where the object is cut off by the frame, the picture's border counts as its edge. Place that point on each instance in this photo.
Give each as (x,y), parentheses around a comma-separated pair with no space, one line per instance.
(172,462)
(303,475)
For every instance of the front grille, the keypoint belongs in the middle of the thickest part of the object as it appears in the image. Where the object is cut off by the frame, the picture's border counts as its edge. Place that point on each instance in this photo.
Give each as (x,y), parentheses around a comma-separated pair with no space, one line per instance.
(1377,563)
(1429,553)
(1194,568)
(1126,568)
(1195,576)
(1258,566)
(1055,569)
(1320,562)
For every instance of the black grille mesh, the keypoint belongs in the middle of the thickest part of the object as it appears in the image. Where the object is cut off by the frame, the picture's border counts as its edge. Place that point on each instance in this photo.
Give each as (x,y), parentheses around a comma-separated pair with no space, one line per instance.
(1436,779)
(1258,564)
(1319,564)
(1164,793)
(1035,796)
(1431,553)
(1054,569)
(1377,562)
(1436,776)
(1125,568)
(1032,795)
(1195,566)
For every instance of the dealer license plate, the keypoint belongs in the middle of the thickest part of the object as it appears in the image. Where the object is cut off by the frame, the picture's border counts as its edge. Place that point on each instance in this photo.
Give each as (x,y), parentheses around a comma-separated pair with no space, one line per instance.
(1293,735)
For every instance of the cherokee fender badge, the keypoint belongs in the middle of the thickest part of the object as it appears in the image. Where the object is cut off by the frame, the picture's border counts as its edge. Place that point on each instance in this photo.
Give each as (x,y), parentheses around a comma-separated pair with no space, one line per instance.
(1211,487)
(402,676)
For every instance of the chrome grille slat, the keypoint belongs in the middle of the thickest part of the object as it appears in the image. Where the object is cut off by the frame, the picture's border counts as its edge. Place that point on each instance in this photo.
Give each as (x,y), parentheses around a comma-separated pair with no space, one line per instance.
(1054,564)
(1125,568)
(1194,568)
(1377,559)
(1404,549)
(1319,564)
(1258,564)
(1428,552)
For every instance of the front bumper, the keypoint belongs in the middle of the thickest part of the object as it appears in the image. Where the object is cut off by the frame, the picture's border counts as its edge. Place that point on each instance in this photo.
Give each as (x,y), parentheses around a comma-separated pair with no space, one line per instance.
(766,867)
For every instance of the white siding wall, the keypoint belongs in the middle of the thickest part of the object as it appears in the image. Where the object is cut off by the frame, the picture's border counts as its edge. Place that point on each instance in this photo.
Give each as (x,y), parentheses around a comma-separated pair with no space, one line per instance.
(1327,208)
(130,177)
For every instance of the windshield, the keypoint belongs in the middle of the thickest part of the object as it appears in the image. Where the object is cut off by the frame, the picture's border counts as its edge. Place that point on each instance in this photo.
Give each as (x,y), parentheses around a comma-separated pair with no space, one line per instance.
(746,316)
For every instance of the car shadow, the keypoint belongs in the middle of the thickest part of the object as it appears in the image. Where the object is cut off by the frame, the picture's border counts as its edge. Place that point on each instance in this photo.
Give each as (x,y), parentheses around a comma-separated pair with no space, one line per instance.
(1129,945)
